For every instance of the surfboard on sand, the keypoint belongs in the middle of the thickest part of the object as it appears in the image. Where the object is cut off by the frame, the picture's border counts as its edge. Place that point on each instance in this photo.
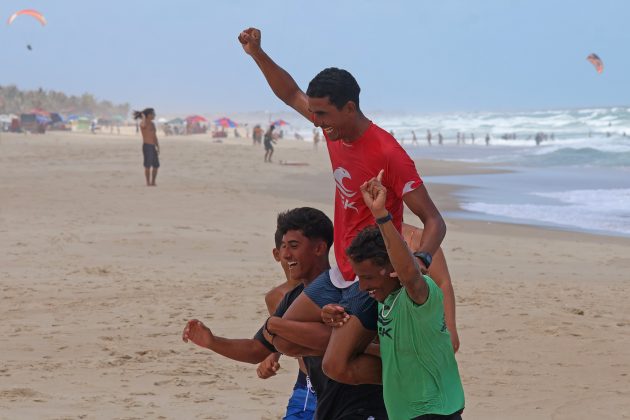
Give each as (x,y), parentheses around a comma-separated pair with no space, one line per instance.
(293,163)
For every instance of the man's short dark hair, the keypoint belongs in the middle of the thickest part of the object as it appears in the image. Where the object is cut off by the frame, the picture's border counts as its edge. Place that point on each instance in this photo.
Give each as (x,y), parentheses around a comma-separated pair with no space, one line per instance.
(336,84)
(313,224)
(369,245)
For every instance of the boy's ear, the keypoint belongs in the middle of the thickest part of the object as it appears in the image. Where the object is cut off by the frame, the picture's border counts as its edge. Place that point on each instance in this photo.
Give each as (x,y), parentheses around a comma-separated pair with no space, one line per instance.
(350,107)
(276,254)
(321,248)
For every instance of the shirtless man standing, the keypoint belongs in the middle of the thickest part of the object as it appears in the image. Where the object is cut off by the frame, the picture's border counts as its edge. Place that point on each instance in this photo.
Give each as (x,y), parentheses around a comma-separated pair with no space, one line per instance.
(150,145)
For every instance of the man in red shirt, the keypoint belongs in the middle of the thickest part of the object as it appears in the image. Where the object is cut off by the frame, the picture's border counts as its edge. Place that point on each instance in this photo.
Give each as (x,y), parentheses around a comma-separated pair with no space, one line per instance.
(358,151)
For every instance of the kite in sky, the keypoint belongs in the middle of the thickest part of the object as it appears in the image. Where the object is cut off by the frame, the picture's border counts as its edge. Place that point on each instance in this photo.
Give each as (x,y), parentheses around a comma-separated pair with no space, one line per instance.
(597,62)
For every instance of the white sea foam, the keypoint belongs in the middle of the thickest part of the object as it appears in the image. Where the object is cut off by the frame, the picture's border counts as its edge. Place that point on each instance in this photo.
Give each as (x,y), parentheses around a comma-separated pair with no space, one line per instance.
(595,210)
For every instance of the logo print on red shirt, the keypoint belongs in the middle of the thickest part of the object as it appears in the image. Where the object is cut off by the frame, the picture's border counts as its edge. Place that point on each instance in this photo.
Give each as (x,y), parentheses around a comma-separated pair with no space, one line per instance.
(340,174)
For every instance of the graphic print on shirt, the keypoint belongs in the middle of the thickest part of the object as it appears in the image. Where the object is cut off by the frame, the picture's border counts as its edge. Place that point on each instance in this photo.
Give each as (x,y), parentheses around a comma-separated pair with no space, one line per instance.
(410,186)
(384,329)
(340,174)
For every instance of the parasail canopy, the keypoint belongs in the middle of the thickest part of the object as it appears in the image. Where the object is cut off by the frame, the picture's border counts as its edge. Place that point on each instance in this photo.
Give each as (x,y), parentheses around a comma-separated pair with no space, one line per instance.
(28,12)
(596,62)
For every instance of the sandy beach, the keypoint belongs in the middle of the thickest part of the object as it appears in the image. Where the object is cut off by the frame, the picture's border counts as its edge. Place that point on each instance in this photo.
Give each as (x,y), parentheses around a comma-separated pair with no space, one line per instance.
(99,273)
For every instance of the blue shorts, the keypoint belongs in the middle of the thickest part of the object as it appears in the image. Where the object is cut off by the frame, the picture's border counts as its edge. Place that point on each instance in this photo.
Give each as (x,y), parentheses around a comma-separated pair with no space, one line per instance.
(302,404)
(322,291)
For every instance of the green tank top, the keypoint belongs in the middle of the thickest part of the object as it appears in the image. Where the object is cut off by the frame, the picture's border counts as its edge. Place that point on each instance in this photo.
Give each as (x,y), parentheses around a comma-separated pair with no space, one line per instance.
(420,374)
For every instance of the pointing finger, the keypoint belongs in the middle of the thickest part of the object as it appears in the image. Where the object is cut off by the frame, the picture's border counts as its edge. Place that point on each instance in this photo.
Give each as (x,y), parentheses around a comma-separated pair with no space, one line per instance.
(379,177)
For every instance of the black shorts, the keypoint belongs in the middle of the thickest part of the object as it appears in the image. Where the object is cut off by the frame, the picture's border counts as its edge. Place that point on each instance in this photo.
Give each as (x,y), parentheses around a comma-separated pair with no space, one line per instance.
(268,146)
(151,160)
(455,416)
(322,291)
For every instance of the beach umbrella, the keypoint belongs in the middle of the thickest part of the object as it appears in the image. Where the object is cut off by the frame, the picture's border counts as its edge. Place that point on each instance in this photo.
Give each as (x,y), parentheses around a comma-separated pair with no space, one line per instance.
(176,121)
(56,117)
(195,119)
(42,119)
(225,122)
(40,112)
(280,123)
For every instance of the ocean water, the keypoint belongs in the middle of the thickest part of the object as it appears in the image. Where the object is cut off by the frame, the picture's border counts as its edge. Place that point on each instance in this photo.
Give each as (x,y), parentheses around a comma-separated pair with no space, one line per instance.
(579,180)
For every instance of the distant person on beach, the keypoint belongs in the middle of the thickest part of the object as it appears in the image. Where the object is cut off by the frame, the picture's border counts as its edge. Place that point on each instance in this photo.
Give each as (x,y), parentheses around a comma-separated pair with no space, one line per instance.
(307,235)
(269,142)
(315,138)
(487,139)
(414,138)
(150,145)
(420,374)
(257,134)
(472,137)
(440,138)
(429,137)
(358,149)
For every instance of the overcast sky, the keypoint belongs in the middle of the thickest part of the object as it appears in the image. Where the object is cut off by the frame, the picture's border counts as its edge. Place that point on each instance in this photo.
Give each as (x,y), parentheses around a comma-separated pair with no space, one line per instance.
(413,56)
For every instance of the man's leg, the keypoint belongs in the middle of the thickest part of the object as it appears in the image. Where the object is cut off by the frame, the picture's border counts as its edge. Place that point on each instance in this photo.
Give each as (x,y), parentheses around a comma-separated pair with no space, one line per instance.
(147,174)
(153,176)
(344,360)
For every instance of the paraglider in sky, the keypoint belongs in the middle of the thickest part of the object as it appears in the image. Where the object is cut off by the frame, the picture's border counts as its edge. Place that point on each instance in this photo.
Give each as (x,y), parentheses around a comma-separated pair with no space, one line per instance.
(28,47)
(28,12)
(596,61)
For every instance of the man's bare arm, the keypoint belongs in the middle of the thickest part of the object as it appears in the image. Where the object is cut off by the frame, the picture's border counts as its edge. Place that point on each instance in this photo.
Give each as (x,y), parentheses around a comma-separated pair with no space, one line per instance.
(440,274)
(404,263)
(280,81)
(294,350)
(420,203)
(310,335)
(241,350)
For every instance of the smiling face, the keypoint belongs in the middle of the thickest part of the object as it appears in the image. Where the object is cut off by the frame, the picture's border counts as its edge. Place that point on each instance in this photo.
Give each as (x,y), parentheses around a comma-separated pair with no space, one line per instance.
(375,279)
(301,254)
(336,123)
(283,263)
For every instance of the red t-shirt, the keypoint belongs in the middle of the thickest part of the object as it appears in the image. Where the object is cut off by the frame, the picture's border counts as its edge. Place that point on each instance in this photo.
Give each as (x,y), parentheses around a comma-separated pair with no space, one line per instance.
(352,165)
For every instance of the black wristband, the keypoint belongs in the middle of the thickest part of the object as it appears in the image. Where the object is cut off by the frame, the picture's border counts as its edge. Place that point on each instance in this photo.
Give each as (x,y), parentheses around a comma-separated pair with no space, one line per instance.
(267,329)
(425,257)
(384,219)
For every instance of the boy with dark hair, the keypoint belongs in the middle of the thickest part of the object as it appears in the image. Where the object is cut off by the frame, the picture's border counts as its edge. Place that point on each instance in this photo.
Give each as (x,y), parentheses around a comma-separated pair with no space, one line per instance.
(420,375)
(307,235)
(303,400)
